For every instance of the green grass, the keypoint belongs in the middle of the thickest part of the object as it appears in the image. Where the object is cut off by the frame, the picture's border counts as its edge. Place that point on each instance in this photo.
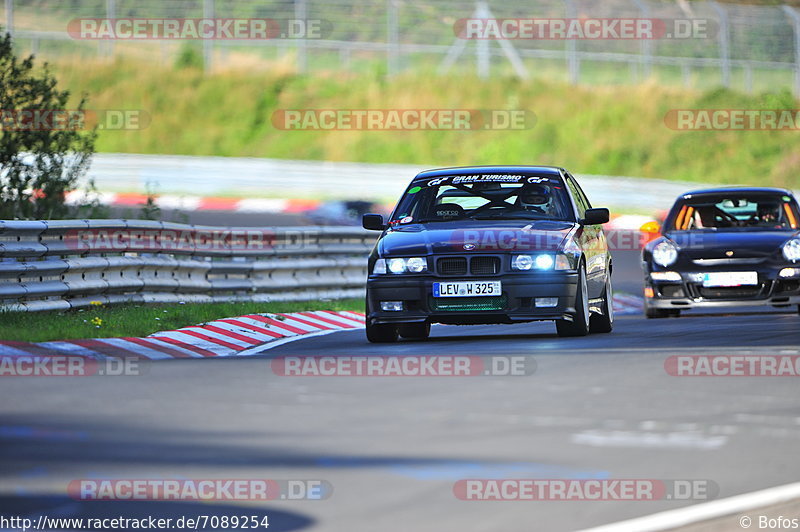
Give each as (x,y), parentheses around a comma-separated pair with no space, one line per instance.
(611,129)
(141,320)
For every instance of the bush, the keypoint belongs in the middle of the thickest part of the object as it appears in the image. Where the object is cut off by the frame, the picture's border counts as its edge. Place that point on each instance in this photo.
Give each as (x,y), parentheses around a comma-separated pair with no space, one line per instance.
(39,161)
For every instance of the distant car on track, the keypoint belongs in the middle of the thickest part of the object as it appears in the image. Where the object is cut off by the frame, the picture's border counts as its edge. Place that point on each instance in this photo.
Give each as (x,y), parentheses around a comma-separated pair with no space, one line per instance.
(725,247)
(486,245)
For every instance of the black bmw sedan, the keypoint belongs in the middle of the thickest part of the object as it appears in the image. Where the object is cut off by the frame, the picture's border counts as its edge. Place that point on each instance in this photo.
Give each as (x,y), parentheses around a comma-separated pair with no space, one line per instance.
(725,247)
(487,245)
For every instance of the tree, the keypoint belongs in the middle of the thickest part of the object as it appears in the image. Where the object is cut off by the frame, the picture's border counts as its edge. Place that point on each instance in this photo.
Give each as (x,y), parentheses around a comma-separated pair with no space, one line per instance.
(42,157)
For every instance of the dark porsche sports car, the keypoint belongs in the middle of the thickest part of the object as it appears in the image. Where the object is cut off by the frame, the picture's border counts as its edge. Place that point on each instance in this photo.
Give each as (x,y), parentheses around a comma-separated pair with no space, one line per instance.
(725,247)
(500,244)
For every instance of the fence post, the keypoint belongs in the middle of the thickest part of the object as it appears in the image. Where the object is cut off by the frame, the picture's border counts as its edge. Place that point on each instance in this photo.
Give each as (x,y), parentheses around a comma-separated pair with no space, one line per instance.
(10,17)
(300,14)
(208,44)
(482,45)
(724,43)
(572,47)
(392,37)
(795,16)
(111,13)
(646,47)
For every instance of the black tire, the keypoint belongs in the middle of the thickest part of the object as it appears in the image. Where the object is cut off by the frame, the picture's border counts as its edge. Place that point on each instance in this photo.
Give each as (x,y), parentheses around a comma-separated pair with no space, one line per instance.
(658,313)
(579,326)
(415,331)
(604,323)
(381,333)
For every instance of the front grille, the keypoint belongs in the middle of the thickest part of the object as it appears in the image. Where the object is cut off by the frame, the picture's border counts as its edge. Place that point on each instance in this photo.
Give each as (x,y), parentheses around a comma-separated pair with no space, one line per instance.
(671,290)
(465,304)
(734,292)
(452,266)
(787,286)
(484,265)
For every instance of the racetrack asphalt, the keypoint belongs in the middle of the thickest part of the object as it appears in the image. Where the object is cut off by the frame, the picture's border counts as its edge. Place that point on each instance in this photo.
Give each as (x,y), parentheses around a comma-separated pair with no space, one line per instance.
(600,407)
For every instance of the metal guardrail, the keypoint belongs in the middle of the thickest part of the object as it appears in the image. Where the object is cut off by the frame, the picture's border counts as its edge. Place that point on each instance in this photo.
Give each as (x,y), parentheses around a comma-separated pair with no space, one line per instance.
(58,265)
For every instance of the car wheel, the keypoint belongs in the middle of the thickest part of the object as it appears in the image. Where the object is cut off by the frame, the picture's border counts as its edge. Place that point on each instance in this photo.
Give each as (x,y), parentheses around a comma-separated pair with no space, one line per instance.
(381,333)
(604,323)
(415,331)
(579,326)
(657,313)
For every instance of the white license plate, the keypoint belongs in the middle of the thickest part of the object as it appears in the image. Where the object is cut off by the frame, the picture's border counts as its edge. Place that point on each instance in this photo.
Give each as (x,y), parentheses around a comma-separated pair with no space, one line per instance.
(467,289)
(721,279)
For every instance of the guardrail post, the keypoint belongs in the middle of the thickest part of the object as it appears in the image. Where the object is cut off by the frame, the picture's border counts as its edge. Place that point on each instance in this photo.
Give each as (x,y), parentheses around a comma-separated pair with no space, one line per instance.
(208,44)
(795,16)
(724,43)
(392,38)
(300,14)
(10,17)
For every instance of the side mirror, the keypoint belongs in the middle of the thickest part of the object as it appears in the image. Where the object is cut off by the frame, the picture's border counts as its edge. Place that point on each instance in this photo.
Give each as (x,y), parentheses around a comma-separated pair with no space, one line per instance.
(373,222)
(595,217)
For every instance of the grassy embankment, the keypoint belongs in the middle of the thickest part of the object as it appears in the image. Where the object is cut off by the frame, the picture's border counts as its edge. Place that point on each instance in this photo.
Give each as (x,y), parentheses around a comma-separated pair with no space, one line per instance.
(141,320)
(613,130)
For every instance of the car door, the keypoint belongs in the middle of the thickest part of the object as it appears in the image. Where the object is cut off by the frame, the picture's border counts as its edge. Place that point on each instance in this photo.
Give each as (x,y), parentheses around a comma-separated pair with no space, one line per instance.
(593,243)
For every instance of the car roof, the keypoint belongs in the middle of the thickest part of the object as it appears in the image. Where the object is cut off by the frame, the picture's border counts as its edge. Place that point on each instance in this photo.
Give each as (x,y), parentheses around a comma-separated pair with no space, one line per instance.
(502,169)
(737,190)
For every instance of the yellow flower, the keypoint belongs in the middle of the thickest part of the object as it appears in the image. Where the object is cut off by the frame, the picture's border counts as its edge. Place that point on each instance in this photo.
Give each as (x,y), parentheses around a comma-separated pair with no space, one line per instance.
(97,321)
(96,303)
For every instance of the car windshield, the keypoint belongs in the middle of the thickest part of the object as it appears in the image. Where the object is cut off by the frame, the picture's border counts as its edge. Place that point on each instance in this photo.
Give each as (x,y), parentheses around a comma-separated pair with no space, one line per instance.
(484,197)
(737,212)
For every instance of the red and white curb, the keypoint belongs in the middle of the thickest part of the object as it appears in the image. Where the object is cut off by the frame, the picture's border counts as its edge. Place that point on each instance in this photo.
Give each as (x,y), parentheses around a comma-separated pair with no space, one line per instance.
(239,336)
(626,304)
(203,203)
(199,203)
(221,338)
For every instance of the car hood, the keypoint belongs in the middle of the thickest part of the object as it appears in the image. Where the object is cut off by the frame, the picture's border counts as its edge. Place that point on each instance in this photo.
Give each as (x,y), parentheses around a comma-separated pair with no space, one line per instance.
(474,236)
(719,244)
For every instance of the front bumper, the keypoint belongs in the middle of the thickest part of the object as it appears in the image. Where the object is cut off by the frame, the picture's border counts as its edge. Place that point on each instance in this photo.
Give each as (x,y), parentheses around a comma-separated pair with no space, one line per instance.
(690,294)
(520,291)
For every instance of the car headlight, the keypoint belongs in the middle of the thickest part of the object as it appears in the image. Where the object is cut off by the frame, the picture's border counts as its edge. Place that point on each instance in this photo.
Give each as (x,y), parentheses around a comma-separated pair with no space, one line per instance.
(522,262)
(665,253)
(791,250)
(533,262)
(398,266)
(416,265)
